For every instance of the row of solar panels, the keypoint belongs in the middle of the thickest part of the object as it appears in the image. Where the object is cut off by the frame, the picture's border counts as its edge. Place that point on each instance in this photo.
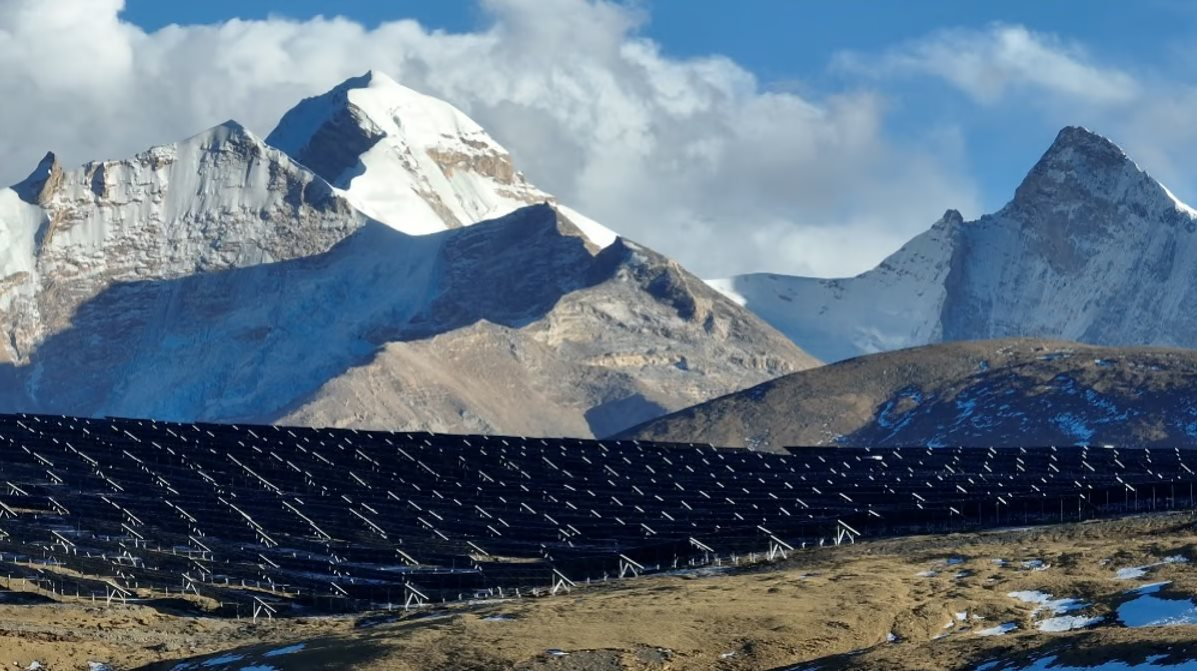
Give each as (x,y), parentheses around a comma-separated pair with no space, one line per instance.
(344,518)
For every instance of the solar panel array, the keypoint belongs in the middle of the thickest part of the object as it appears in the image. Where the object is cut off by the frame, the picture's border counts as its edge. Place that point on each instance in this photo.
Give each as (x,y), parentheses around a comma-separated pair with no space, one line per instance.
(267,517)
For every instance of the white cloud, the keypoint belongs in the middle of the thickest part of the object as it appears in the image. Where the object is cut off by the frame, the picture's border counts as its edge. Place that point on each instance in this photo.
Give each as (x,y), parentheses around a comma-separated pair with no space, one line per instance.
(1005,68)
(692,157)
(991,63)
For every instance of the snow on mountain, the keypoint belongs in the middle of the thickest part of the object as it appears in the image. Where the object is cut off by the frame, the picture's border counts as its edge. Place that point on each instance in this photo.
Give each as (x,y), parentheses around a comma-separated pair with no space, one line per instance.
(411,161)
(222,199)
(398,331)
(1091,249)
(220,279)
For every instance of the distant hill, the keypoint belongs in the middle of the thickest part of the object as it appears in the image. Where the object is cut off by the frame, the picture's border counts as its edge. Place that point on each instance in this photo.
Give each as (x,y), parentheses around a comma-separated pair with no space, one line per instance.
(996,392)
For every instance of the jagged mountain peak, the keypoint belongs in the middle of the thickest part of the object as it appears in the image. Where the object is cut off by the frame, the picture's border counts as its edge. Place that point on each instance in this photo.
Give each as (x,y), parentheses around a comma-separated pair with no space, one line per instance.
(950,217)
(1083,167)
(33,189)
(1081,139)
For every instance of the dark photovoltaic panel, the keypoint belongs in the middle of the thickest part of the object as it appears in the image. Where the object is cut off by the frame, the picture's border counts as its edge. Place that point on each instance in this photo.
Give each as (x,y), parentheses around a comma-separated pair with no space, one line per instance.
(331,519)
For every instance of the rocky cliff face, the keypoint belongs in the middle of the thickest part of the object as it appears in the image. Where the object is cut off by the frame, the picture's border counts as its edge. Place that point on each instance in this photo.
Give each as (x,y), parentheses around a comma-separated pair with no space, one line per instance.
(222,279)
(1091,248)
(222,199)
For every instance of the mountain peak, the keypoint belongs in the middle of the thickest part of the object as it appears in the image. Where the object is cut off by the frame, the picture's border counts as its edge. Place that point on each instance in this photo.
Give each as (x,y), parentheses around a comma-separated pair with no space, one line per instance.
(375,78)
(223,133)
(330,132)
(1082,166)
(406,159)
(35,188)
(951,217)
(1081,139)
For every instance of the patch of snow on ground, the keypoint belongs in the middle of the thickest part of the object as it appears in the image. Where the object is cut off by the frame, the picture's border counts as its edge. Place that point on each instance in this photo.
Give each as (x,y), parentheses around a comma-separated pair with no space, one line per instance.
(1051,664)
(1148,610)
(1044,601)
(222,660)
(1136,572)
(1035,565)
(1001,629)
(927,574)
(1068,622)
(288,650)
(1132,573)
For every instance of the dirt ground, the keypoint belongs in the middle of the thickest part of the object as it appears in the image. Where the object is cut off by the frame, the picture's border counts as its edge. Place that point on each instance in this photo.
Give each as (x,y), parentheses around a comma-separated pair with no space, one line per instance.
(826,608)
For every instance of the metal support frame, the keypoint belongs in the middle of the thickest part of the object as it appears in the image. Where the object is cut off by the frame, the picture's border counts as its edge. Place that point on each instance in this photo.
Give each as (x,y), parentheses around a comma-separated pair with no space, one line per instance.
(414,597)
(261,608)
(629,567)
(844,532)
(778,548)
(561,583)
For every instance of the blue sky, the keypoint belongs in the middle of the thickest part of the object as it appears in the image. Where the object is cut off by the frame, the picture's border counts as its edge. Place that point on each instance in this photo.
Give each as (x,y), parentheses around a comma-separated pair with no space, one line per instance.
(792,136)
(789,44)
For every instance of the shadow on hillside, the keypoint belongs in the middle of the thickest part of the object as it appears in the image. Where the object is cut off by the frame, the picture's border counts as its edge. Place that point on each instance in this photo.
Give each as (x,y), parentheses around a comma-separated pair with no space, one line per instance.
(613,416)
(321,654)
(252,343)
(1095,649)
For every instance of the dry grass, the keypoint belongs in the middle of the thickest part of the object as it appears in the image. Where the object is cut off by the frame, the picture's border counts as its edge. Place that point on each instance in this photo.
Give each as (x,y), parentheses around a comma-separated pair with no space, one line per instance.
(831,604)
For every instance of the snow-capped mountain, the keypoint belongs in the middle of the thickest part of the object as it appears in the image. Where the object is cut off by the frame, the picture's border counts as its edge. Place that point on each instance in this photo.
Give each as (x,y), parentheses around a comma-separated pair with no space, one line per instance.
(411,161)
(1090,249)
(225,279)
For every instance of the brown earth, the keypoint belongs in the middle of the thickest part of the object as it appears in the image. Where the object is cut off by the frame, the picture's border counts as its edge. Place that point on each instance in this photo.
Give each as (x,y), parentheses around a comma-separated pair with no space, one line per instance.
(1014,392)
(831,605)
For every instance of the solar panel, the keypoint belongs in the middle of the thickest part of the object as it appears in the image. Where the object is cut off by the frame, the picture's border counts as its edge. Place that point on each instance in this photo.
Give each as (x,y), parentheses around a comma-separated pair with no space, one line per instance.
(266,519)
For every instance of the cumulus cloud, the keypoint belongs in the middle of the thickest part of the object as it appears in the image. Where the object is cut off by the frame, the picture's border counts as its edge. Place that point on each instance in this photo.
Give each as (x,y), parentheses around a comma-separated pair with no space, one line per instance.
(987,64)
(692,157)
(1005,68)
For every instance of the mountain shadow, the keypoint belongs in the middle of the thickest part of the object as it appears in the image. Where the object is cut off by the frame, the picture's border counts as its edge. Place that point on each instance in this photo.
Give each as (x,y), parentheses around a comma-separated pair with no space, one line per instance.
(249,343)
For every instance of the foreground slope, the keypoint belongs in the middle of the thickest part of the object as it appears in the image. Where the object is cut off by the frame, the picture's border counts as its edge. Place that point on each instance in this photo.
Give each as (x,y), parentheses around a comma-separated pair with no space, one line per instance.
(1004,392)
(1090,249)
(825,608)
